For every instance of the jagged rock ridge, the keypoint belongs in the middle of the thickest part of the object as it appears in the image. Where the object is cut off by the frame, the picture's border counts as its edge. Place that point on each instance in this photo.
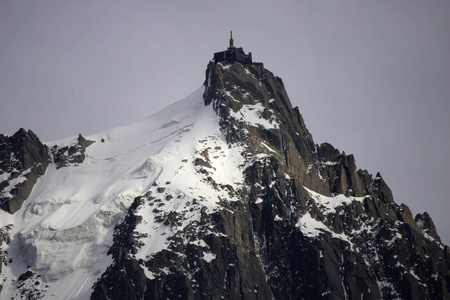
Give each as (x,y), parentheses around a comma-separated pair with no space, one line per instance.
(234,200)
(23,159)
(306,223)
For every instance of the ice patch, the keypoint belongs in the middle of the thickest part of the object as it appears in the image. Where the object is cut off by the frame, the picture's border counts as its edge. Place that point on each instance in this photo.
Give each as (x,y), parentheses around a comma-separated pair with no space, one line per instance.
(313,228)
(208,257)
(253,116)
(329,204)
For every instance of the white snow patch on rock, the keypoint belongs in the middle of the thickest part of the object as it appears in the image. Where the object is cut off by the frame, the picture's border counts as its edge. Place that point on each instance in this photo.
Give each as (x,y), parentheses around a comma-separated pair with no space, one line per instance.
(208,257)
(253,115)
(329,204)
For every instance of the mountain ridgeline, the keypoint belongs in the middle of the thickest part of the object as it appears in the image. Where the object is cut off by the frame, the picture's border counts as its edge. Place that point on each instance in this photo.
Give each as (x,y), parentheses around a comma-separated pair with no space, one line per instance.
(275,216)
(367,247)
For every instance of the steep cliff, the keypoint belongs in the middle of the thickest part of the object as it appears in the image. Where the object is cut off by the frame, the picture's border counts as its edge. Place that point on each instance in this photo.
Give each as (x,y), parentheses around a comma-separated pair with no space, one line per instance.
(23,158)
(303,224)
(222,195)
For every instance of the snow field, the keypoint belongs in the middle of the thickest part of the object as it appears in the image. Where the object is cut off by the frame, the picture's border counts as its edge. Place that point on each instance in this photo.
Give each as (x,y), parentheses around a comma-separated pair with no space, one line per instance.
(184,190)
(64,229)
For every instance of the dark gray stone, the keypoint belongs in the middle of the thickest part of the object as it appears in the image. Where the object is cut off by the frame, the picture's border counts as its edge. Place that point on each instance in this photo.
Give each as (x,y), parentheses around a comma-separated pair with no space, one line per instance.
(71,155)
(372,249)
(21,155)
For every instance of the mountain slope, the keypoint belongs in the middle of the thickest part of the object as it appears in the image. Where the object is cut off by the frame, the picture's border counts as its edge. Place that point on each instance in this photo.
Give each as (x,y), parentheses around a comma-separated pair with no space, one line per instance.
(73,208)
(221,195)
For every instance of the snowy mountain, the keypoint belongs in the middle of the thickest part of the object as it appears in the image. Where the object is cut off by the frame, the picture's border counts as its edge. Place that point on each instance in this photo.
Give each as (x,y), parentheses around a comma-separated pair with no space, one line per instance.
(222,195)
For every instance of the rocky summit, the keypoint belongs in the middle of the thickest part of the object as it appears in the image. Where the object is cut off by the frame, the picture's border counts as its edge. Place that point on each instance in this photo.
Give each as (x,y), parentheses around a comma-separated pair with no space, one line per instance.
(222,195)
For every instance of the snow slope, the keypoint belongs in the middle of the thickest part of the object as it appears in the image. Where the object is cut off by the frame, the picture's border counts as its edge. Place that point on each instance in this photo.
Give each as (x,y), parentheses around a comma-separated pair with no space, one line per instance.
(178,163)
(64,229)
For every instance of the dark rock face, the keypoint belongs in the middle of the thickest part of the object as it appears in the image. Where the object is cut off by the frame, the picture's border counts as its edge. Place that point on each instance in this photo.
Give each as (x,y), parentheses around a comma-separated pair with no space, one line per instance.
(70,155)
(23,158)
(125,279)
(231,274)
(4,240)
(283,238)
(426,224)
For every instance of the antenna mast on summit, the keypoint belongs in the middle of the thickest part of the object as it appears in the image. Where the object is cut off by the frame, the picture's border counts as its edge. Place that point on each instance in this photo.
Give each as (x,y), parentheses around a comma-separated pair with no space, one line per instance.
(231,38)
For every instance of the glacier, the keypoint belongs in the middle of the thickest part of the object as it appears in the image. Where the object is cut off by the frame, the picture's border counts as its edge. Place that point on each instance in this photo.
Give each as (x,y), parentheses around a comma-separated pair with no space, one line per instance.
(62,234)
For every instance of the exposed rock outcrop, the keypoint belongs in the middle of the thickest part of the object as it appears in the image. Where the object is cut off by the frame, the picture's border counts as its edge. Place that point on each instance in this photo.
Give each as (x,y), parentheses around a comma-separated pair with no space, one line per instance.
(254,210)
(70,155)
(305,224)
(5,239)
(351,264)
(23,158)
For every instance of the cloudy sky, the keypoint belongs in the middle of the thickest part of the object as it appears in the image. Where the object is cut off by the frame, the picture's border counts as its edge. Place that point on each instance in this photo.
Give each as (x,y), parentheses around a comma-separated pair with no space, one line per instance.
(370,77)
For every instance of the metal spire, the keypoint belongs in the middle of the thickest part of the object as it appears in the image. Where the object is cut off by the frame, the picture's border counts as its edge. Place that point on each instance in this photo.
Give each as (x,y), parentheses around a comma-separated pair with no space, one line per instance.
(231,39)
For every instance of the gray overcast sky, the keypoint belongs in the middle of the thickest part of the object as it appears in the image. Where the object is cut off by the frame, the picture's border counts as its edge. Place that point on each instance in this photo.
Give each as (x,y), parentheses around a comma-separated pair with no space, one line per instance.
(370,77)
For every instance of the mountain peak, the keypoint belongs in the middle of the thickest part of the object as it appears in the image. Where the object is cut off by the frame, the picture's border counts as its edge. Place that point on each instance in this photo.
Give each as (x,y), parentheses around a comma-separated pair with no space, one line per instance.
(221,195)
